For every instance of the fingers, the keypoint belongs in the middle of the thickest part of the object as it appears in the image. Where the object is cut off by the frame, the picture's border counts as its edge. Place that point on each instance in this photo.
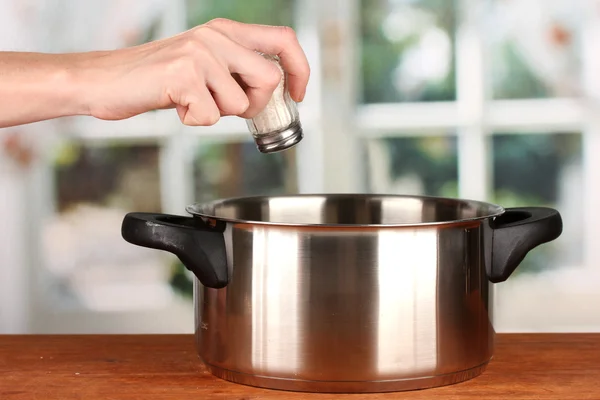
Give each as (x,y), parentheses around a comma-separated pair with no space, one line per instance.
(233,78)
(274,40)
(229,97)
(199,109)
(256,75)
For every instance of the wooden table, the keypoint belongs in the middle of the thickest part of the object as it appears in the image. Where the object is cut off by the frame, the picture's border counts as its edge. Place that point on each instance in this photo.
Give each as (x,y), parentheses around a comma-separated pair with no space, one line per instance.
(532,366)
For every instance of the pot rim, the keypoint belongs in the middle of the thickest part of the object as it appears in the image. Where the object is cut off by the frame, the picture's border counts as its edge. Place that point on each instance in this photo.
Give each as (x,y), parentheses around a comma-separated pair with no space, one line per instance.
(202,209)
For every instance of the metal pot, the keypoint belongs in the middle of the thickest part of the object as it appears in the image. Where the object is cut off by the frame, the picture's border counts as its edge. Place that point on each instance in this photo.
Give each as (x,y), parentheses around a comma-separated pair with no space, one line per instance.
(345,293)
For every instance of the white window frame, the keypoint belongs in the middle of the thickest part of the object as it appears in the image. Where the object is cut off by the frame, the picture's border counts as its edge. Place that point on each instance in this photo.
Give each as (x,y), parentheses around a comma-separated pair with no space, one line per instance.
(329,158)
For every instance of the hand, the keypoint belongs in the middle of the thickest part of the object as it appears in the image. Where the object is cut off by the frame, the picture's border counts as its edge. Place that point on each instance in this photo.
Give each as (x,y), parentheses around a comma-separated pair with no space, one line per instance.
(205,73)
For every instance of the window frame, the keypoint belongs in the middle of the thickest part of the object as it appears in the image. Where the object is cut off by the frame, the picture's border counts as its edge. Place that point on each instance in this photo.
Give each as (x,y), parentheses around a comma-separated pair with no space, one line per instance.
(329,158)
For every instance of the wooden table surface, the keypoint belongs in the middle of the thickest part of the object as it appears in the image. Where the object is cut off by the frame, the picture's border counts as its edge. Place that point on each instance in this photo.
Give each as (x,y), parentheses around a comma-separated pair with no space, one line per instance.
(526,366)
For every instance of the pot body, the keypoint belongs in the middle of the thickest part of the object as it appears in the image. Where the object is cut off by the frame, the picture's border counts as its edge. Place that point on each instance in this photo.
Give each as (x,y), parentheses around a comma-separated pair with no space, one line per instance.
(342,309)
(345,293)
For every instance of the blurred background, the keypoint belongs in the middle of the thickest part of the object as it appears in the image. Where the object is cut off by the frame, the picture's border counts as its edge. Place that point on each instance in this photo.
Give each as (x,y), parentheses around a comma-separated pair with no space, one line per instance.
(493,100)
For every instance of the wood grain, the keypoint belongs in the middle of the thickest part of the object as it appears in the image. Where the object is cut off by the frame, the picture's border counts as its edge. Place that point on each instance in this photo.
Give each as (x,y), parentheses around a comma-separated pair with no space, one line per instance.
(526,366)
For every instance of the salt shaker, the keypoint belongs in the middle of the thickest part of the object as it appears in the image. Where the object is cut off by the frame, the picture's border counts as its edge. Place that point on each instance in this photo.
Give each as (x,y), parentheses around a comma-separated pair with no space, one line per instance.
(277,127)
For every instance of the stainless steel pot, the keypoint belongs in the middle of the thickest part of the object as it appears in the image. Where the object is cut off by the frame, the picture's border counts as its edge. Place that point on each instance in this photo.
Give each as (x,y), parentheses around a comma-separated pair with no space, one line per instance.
(345,293)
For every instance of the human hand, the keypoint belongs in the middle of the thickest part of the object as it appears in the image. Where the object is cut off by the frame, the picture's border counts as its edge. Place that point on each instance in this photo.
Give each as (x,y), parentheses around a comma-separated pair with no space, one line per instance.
(207,72)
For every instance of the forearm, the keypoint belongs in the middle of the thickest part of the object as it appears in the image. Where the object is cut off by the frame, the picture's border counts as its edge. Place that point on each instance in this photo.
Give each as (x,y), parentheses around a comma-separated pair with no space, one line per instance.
(192,72)
(36,87)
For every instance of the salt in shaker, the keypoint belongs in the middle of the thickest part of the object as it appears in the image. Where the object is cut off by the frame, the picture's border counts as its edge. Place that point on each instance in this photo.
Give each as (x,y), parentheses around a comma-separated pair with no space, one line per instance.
(278,126)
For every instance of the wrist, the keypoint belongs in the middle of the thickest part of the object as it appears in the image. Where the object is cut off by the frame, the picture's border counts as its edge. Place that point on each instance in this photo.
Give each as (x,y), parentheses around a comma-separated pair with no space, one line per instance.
(78,79)
(94,81)
(69,90)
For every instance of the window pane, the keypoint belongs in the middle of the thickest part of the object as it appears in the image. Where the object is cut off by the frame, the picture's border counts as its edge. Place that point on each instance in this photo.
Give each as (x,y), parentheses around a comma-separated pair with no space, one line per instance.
(225,170)
(534,49)
(270,12)
(414,165)
(543,170)
(87,263)
(407,50)
(541,295)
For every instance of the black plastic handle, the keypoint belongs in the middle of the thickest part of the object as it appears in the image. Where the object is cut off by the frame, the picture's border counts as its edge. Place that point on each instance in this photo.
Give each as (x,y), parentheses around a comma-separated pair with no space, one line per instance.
(200,248)
(516,232)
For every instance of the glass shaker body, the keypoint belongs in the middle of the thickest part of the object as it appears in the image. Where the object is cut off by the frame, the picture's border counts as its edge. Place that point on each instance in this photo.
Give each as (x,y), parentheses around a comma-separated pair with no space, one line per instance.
(278,126)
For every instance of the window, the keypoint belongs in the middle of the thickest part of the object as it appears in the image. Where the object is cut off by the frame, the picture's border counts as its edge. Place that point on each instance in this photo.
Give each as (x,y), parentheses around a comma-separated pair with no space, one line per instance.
(535,49)
(94,186)
(487,100)
(543,169)
(503,121)
(407,50)
(426,165)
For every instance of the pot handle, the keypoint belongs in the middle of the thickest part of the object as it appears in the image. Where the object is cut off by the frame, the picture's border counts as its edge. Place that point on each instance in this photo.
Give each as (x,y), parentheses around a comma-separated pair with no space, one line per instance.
(200,248)
(516,232)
